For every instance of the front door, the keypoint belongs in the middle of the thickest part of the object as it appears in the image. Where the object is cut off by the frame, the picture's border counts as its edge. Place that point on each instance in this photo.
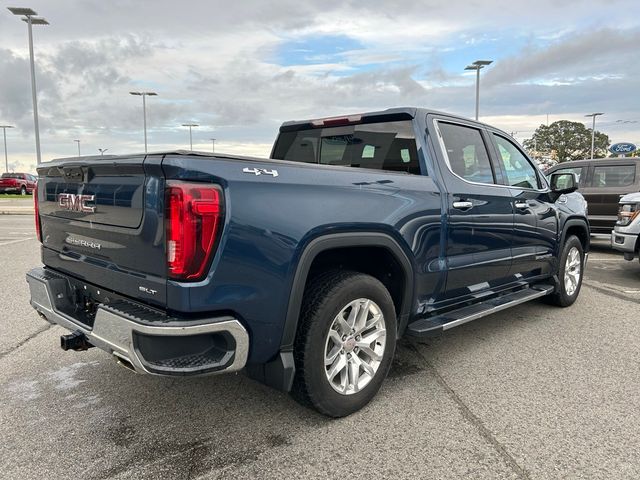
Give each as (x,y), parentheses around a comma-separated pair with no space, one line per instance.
(480,212)
(535,216)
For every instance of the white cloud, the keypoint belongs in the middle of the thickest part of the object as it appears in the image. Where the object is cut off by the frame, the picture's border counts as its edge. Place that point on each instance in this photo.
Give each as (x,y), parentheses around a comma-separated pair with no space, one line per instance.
(218,64)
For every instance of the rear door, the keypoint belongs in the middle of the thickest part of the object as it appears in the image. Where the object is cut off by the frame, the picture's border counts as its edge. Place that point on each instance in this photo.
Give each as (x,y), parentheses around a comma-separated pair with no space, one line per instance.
(480,211)
(102,221)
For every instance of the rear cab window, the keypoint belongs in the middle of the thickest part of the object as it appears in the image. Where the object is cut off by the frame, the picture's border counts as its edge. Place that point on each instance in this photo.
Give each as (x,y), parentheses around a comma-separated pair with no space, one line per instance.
(389,146)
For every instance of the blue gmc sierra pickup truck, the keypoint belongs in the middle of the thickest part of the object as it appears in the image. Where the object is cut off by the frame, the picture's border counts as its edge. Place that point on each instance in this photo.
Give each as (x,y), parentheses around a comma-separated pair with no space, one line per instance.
(303,269)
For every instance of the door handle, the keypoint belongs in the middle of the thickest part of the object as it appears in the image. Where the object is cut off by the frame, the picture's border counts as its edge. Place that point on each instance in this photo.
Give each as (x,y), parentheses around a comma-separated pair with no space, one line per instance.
(463,205)
(522,205)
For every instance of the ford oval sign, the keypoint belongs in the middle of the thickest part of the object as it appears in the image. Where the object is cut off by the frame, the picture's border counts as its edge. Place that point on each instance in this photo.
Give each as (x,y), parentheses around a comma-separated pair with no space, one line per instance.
(622,148)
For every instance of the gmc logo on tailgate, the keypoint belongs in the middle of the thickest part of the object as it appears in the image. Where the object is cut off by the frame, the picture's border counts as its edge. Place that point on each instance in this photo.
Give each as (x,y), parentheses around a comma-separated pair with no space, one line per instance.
(76,203)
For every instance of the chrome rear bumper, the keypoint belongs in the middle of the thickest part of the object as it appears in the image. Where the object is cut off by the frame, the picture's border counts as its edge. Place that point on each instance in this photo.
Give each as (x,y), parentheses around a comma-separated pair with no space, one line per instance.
(149,342)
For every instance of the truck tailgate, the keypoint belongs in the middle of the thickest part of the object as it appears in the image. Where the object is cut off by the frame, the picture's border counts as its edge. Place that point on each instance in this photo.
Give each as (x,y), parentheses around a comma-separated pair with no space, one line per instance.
(102,222)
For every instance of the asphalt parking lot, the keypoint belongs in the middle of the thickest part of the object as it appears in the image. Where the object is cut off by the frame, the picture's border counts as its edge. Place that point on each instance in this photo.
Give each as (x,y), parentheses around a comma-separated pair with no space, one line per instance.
(533,392)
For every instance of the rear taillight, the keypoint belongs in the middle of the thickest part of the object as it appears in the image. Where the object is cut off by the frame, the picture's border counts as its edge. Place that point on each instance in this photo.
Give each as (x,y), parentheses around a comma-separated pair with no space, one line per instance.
(194,213)
(36,211)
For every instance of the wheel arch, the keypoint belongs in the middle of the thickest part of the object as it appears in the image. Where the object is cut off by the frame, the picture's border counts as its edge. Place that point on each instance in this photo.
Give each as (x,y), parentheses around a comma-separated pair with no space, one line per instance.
(279,373)
(337,241)
(578,227)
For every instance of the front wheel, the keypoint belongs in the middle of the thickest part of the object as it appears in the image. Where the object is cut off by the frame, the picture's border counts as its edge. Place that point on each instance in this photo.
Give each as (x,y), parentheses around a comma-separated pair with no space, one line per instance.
(570,273)
(345,342)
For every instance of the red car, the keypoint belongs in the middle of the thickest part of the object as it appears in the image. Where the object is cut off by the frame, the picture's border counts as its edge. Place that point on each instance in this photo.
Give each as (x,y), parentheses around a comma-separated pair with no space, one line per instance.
(21,183)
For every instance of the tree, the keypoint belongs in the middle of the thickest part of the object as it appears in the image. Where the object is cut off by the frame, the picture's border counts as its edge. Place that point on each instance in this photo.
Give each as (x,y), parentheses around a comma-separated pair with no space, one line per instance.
(570,141)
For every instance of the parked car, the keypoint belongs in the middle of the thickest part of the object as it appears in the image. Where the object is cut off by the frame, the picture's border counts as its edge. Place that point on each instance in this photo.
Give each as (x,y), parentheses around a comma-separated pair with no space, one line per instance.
(304,268)
(22,183)
(626,234)
(602,182)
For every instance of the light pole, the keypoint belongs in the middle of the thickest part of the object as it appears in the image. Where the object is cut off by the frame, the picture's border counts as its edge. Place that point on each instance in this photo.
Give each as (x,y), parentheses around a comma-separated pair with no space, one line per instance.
(6,158)
(593,130)
(477,66)
(102,150)
(28,16)
(190,125)
(213,145)
(78,142)
(144,112)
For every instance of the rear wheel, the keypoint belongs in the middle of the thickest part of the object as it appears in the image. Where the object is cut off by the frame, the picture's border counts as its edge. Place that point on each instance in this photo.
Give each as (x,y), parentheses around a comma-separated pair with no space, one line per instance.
(23,190)
(345,342)
(570,273)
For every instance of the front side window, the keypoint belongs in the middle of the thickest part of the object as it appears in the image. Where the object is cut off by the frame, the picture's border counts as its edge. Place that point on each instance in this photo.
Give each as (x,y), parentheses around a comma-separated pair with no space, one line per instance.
(382,146)
(466,152)
(614,176)
(518,170)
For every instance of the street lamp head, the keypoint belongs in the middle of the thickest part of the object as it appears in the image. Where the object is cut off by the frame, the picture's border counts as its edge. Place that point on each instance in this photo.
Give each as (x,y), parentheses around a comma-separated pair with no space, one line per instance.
(594,114)
(6,126)
(22,11)
(151,94)
(478,64)
(190,125)
(36,21)
(135,93)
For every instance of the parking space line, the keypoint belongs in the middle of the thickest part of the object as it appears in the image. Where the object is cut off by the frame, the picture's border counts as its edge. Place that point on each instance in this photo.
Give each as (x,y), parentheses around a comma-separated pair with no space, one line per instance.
(473,419)
(617,259)
(17,241)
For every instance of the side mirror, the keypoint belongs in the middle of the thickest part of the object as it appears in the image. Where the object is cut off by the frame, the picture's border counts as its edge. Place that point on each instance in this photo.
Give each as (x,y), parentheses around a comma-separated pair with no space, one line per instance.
(563,182)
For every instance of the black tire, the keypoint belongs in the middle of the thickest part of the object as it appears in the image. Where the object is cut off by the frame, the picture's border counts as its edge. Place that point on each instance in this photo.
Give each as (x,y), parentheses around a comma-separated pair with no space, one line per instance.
(325,297)
(561,297)
(23,190)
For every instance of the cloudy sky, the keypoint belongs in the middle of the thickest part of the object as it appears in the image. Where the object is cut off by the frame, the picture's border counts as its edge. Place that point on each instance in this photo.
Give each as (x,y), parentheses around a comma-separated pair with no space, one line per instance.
(239,69)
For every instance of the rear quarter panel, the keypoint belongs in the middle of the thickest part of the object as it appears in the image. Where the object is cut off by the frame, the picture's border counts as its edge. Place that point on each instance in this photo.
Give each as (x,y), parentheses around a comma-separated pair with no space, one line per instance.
(269,221)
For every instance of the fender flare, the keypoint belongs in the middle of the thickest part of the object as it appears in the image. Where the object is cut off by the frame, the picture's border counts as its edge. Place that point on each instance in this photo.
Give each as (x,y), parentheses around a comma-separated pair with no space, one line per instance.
(343,240)
(574,222)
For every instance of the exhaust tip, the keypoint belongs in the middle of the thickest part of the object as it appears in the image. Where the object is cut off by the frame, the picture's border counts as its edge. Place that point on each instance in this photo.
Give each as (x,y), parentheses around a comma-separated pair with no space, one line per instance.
(124,362)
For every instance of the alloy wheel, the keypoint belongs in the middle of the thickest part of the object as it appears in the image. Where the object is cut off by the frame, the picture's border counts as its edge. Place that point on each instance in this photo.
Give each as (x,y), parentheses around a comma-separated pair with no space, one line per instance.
(354,347)
(572,271)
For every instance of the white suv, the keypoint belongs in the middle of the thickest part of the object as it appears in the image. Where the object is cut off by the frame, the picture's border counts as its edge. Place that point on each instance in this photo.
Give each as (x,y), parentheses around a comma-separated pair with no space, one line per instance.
(625,235)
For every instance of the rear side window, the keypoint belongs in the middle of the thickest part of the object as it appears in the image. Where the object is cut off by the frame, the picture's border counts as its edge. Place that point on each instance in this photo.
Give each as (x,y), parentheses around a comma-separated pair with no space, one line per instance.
(466,152)
(381,146)
(613,176)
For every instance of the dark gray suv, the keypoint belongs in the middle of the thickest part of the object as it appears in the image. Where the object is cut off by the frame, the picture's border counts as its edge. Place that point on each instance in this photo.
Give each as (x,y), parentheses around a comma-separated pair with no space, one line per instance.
(602,182)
